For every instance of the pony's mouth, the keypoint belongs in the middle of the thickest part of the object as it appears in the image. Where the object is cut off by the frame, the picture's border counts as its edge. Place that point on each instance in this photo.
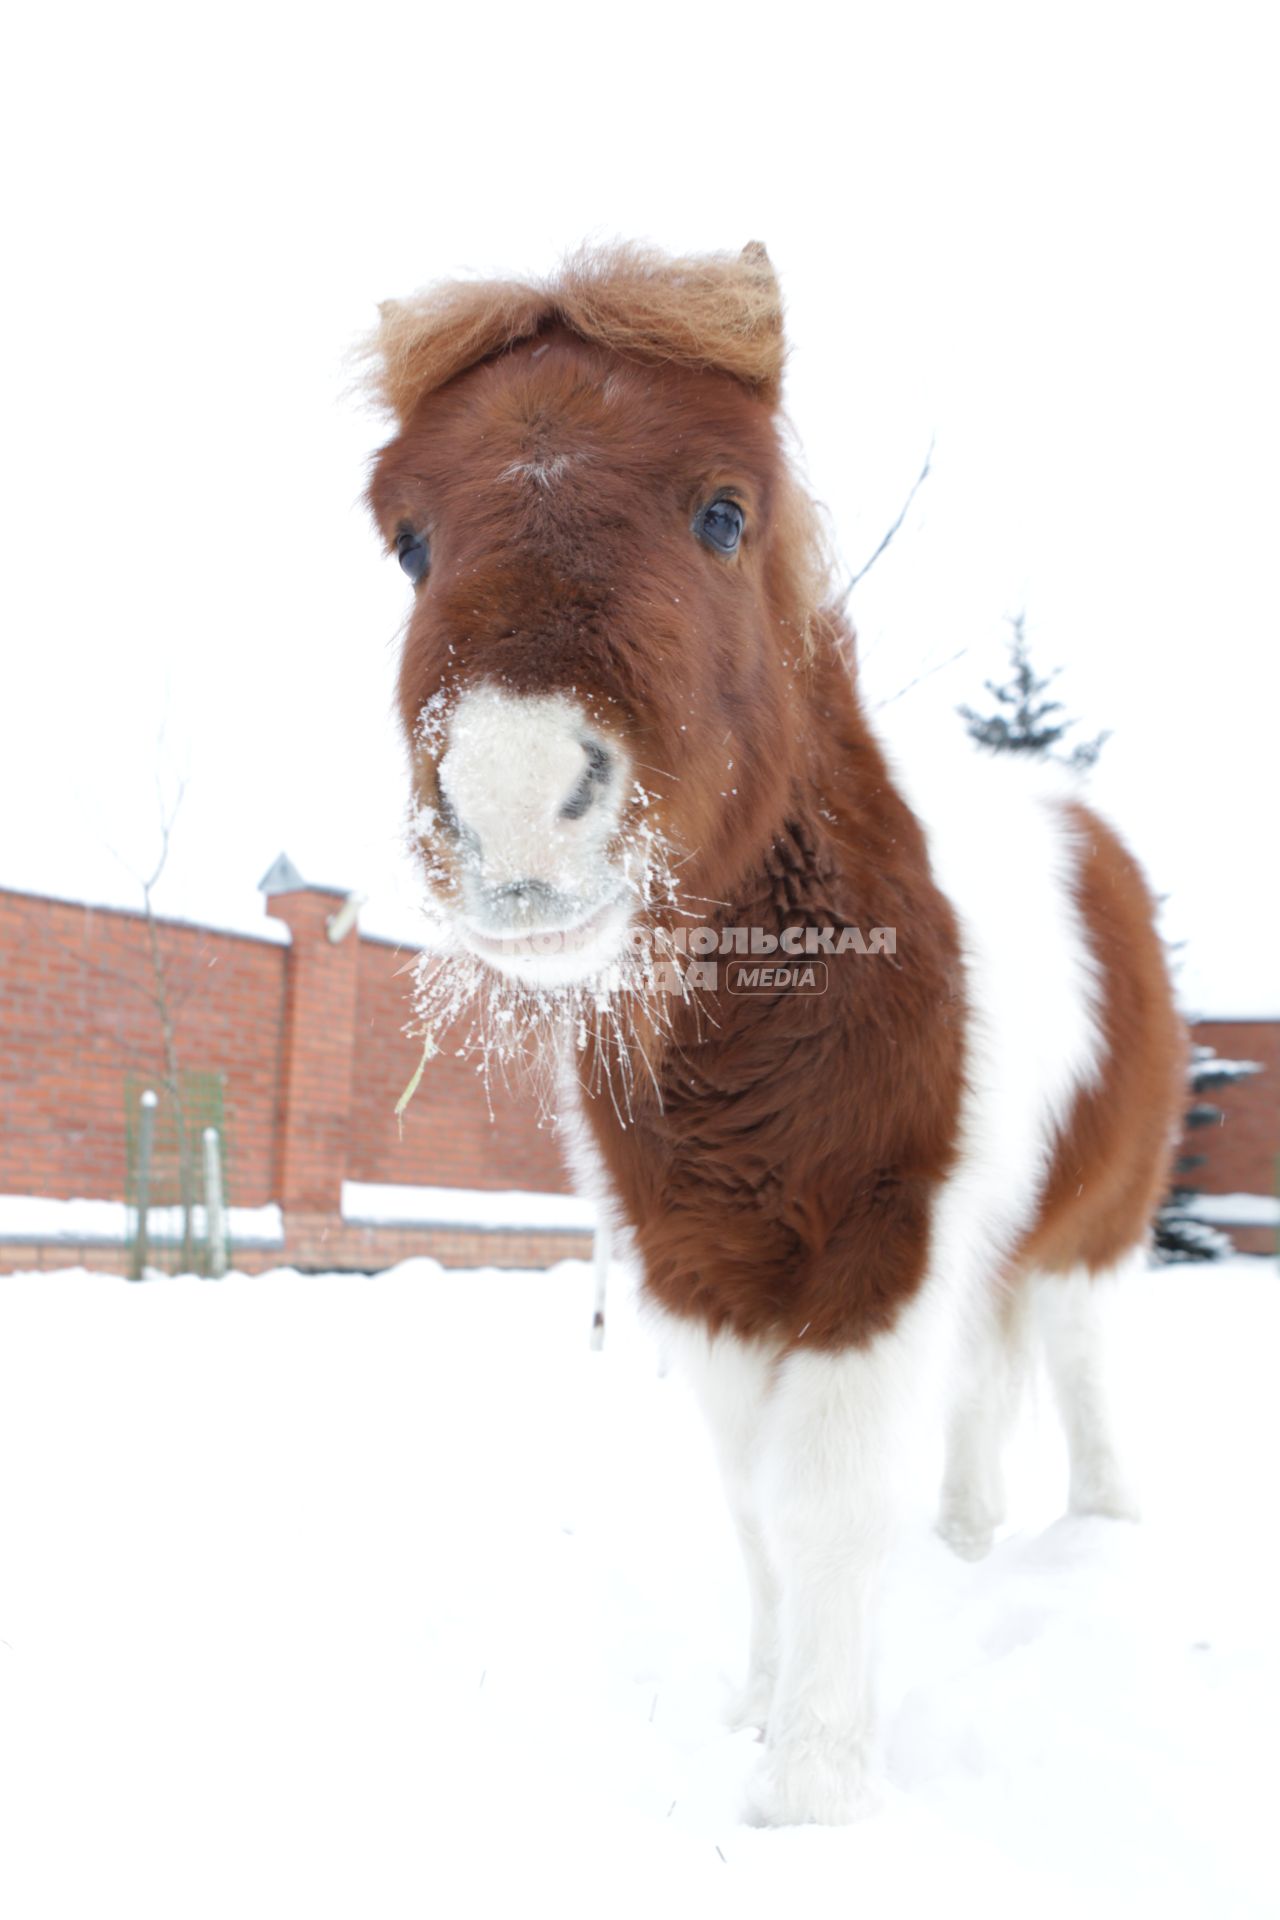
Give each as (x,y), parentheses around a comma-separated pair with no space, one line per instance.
(553,955)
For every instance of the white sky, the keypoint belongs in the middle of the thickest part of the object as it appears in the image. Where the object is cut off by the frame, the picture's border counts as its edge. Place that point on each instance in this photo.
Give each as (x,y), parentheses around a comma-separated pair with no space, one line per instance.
(1045,236)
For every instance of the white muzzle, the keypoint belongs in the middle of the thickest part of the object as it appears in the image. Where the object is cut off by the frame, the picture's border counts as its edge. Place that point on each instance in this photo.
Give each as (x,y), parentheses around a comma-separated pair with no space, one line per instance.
(536,792)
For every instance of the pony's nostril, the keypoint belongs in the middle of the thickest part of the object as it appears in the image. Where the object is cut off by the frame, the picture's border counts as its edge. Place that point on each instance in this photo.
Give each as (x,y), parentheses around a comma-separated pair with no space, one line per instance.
(448,818)
(596,776)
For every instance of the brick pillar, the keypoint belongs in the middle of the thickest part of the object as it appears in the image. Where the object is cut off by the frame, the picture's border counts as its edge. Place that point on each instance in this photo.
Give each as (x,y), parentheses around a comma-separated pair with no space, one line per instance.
(320,1022)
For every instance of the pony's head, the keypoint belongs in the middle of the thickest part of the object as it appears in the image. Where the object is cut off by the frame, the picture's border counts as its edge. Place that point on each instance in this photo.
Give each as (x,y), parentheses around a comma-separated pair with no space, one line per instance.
(614,575)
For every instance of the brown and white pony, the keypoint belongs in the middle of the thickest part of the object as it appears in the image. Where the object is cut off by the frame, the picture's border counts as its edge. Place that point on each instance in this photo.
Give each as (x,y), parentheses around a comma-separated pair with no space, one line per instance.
(633,709)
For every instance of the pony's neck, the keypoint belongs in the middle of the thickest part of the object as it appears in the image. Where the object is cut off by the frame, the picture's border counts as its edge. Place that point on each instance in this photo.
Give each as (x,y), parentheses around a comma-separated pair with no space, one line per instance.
(840,818)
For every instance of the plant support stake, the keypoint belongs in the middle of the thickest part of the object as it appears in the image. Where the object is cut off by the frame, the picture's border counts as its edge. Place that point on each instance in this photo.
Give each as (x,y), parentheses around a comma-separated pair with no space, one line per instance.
(215,1212)
(146,1139)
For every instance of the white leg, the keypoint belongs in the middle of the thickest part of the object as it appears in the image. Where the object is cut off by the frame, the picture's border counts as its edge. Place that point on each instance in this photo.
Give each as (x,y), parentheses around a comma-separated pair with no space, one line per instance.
(991,1375)
(732,1381)
(1071,1312)
(827,1482)
(753,1703)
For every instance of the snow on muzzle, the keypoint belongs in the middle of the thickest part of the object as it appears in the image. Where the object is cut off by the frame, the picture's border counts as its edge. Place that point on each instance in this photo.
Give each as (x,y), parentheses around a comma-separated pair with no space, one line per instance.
(536,793)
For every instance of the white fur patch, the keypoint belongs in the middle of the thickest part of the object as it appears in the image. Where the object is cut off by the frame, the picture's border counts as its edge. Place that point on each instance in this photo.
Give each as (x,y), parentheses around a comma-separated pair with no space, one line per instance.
(1002,851)
(543,473)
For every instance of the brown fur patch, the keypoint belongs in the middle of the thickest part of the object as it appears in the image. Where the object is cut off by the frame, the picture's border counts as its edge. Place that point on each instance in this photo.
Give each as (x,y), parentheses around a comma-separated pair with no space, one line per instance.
(1112,1162)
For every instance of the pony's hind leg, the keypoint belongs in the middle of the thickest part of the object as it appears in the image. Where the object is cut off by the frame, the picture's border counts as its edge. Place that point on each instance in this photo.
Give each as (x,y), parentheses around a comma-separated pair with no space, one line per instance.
(992,1371)
(1071,1311)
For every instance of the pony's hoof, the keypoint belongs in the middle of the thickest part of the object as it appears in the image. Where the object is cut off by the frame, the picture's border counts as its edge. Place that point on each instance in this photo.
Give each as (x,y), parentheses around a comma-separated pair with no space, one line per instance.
(967,1538)
(810,1786)
(1105,1493)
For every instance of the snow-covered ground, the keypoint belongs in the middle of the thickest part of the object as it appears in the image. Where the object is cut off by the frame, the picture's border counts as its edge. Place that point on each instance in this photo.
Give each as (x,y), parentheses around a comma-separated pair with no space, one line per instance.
(338,1596)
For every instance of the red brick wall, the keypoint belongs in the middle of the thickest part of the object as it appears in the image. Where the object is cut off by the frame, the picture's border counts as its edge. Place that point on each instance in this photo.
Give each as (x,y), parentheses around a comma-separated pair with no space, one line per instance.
(310,1039)
(1240,1155)
(77,1016)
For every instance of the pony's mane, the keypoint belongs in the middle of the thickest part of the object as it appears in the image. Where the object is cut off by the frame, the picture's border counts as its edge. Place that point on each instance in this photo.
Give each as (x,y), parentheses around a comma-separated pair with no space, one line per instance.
(717,310)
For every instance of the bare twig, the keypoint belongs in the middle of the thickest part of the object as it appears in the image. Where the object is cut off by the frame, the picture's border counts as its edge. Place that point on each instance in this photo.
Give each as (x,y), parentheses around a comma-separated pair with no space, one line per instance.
(163,1000)
(939,666)
(918,482)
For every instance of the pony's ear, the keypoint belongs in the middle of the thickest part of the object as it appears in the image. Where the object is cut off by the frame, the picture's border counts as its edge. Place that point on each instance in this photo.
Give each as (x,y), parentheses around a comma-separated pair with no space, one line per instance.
(755,255)
(421,343)
(768,294)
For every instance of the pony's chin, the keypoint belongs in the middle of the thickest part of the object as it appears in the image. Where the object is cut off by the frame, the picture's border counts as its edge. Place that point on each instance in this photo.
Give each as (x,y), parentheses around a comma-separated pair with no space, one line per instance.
(553,959)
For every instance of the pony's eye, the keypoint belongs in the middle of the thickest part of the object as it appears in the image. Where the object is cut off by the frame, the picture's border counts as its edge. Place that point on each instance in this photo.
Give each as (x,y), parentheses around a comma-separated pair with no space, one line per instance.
(413,553)
(720,525)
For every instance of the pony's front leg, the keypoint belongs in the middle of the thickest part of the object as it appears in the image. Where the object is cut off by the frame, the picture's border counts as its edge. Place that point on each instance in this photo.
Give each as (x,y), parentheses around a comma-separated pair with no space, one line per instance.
(827,1486)
(732,1380)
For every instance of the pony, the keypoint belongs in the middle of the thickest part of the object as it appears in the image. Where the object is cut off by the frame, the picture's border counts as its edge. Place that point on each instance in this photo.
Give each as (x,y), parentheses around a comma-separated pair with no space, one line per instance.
(877,1066)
